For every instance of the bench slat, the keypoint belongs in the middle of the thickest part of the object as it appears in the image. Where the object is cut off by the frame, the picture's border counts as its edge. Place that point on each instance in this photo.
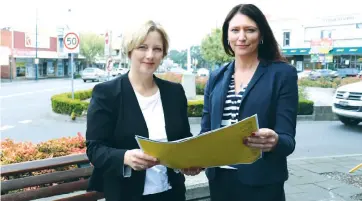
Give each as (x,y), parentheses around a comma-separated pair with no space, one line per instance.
(47,191)
(30,166)
(49,178)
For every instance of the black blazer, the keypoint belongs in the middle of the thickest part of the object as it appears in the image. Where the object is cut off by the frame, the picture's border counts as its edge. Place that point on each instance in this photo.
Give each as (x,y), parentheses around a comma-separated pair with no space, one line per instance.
(113,119)
(272,94)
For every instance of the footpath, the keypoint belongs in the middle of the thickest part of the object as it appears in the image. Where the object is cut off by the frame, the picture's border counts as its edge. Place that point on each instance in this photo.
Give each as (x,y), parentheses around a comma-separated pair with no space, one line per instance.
(317,179)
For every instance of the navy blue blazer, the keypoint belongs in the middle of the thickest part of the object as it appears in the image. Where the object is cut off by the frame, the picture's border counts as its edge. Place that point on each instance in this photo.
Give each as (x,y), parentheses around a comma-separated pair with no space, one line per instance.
(272,94)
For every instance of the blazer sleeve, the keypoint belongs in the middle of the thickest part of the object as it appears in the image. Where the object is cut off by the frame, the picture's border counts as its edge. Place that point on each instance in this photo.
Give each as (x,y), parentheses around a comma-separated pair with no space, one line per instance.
(184,113)
(205,120)
(286,113)
(101,122)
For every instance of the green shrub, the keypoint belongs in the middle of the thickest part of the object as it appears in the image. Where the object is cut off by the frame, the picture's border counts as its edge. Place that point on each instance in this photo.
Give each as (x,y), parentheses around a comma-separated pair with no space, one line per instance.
(195,108)
(327,82)
(305,107)
(64,104)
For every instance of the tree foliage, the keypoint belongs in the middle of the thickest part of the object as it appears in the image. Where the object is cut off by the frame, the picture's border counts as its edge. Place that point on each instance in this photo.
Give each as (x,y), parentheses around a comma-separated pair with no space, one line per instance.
(180,57)
(91,45)
(212,49)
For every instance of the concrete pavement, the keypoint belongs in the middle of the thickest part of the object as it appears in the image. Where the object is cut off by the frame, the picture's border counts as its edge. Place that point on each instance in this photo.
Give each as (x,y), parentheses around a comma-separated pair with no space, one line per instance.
(309,180)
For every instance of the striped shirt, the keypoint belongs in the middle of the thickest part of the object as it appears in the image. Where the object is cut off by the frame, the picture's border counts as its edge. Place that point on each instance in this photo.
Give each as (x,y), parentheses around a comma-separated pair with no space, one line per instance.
(232,103)
(231,108)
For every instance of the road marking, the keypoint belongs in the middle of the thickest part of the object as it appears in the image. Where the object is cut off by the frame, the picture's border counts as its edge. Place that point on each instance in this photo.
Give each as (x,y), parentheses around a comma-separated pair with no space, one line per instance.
(3,128)
(43,90)
(30,92)
(322,157)
(25,121)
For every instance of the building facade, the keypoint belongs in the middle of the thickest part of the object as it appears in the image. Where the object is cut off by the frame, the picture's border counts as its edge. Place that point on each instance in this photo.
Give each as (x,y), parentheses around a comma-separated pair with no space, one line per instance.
(330,42)
(25,48)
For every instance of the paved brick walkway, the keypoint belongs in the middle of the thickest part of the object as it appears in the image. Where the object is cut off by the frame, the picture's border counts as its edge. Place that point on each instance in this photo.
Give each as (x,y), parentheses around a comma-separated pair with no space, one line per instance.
(307,181)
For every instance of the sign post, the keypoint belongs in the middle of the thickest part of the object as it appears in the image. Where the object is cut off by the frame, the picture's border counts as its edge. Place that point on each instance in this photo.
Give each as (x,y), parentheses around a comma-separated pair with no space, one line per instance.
(71,46)
(109,67)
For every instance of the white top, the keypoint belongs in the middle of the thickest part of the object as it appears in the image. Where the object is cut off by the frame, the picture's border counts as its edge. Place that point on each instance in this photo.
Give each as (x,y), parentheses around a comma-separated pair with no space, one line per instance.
(156,177)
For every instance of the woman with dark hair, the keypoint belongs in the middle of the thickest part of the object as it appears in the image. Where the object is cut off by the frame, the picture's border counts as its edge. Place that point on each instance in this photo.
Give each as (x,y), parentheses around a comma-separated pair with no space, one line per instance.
(258,81)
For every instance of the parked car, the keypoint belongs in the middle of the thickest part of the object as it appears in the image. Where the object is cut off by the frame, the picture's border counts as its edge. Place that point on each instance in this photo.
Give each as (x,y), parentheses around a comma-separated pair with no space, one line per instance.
(359,75)
(118,71)
(94,74)
(323,73)
(347,103)
(203,72)
(303,74)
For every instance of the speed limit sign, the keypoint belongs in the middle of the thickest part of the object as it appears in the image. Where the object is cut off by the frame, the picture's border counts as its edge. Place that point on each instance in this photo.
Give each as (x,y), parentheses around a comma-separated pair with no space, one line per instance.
(71,42)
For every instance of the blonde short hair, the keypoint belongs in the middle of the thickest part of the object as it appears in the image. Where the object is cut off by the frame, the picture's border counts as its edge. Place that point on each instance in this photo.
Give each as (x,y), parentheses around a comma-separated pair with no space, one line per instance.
(135,38)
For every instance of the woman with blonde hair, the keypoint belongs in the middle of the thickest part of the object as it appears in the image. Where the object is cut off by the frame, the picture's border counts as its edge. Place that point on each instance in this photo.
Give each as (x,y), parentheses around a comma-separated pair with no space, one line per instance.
(137,103)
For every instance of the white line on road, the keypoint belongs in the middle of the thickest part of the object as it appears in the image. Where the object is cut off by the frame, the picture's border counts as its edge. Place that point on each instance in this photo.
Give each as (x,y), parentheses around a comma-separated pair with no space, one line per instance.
(3,128)
(30,92)
(322,157)
(39,91)
(25,121)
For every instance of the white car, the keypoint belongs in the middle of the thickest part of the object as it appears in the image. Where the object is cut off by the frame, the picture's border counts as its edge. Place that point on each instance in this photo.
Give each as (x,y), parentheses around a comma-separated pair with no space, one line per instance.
(347,103)
(93,74)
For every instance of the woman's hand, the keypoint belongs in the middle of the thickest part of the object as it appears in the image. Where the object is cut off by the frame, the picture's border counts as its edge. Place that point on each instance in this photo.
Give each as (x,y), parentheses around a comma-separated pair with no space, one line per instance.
(138,160)
(264,139)
(191,171)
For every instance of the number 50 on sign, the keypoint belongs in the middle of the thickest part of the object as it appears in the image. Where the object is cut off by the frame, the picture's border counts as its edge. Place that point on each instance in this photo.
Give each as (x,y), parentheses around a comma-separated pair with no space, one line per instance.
(71,42)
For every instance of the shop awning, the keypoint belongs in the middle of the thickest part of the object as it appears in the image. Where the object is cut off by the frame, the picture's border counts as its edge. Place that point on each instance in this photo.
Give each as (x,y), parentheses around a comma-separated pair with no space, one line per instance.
(296,51)
(346,50)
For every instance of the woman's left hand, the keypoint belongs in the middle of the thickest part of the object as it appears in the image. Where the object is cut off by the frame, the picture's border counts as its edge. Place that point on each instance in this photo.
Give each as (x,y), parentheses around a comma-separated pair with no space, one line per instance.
(264,139)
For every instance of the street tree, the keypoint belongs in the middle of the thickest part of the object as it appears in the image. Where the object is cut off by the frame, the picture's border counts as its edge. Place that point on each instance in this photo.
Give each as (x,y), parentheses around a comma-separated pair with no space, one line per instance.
(179,57)
(212,49)
(91,46)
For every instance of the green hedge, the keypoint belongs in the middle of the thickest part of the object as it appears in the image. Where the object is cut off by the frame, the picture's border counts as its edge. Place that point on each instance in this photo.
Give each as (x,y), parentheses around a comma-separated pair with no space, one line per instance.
(305,107)
(64,104)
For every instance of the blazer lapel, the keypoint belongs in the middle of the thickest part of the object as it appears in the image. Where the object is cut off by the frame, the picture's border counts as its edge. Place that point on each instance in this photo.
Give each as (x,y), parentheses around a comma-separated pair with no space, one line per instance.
(224,90)
(257,75)
(131,101)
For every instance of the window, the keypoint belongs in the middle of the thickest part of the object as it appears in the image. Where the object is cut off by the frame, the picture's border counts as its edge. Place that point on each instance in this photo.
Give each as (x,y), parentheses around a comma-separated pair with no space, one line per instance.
(286,39)
(326,34)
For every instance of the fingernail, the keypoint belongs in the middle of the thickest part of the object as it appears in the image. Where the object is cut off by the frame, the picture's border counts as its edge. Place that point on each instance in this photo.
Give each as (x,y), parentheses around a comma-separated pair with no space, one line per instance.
(253,134)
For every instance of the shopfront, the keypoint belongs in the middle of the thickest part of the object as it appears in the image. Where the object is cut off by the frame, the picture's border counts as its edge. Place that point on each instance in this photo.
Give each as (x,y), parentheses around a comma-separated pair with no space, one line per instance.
(47,68)
(298,57)
(336,58)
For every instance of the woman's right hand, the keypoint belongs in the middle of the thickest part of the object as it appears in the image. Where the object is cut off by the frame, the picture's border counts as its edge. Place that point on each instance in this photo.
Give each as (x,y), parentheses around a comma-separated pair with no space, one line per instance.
(138,160)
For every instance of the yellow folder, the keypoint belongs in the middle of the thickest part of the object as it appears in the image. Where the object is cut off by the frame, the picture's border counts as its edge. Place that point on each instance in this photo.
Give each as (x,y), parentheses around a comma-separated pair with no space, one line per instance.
(219,147)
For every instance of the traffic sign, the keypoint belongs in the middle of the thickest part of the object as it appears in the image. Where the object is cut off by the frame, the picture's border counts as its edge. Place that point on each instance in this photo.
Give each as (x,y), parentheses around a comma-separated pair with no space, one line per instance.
(71,42)
(109,64)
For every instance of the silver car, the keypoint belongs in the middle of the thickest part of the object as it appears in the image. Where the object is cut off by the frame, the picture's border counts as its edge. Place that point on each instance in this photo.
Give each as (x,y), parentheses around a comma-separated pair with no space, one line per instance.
(93,74)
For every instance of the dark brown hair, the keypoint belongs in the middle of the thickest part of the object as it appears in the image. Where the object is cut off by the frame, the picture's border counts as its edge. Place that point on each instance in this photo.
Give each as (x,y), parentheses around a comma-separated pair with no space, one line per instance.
(269,50)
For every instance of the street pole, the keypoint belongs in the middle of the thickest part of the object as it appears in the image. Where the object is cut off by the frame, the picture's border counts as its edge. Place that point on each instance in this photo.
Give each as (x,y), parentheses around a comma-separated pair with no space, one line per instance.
(189,59)
(36,46)
(71,67)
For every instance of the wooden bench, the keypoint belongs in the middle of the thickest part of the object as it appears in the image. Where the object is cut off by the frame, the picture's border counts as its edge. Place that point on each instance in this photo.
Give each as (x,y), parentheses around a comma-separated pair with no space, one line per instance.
(66,181)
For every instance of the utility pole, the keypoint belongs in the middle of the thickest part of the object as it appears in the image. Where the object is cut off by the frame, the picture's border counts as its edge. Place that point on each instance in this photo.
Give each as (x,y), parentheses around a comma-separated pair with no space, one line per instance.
(36,61)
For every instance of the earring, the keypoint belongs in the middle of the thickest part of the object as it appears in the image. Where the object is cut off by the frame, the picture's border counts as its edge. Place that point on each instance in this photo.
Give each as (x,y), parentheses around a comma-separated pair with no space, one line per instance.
(261,42)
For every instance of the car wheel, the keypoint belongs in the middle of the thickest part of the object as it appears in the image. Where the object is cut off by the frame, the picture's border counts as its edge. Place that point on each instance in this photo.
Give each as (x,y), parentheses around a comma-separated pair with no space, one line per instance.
(349,121)
(84,80)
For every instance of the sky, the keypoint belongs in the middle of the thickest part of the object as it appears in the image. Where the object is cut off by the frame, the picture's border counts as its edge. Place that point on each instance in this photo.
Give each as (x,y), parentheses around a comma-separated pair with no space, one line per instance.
(186,21)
